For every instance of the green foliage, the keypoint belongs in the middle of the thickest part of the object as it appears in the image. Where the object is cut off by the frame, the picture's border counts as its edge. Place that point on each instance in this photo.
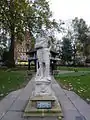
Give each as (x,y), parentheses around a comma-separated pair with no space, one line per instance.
(75,70)
(66,50)
(38,15)
(5,57)
(12,16)
(18,16)
(80,31)
(3,40)
(12,20)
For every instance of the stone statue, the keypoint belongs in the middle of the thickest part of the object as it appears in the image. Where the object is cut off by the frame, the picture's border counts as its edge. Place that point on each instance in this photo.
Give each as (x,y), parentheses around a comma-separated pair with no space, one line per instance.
(43,78)
(43,98)
(43,55)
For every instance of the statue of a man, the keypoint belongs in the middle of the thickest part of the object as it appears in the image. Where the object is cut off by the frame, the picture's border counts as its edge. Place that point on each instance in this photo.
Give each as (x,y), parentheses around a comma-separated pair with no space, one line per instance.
(43,55)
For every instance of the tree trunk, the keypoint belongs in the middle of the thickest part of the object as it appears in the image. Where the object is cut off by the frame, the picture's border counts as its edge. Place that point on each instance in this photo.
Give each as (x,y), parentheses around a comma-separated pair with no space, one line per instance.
(11,62)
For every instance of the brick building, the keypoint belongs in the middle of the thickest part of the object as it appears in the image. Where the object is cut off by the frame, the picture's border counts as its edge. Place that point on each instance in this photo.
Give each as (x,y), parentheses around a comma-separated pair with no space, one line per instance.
(21,48)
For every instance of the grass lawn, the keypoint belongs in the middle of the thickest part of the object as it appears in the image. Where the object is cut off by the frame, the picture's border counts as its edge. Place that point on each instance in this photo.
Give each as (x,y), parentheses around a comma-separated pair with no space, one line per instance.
(76,81)
(11,80)
(73,68)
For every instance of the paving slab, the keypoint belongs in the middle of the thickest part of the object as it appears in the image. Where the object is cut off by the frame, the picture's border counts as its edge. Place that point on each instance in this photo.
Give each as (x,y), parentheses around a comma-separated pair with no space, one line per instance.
(65,102)
(27,91)
(73,115)
(6,103)
(62,71)
(19,116)
(79,103)
(13,94)
(23,98)
(13,116)
(69,110)
(18,105)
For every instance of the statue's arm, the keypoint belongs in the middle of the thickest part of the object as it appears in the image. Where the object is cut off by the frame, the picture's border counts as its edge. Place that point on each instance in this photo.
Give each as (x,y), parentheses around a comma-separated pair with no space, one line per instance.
(39,44)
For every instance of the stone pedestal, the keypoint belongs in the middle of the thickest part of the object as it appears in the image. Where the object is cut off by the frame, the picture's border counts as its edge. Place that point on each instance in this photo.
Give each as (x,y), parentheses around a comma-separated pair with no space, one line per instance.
(43,101)
(42,87)
(32,108)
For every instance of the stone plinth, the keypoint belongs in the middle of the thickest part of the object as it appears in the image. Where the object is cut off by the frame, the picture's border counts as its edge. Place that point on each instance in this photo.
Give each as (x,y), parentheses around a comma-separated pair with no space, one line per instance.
(32,110)
(43,102)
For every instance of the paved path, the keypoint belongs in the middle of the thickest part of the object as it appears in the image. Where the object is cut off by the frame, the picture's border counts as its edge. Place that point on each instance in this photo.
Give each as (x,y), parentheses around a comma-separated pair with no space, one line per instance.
(74,108)
(62,71)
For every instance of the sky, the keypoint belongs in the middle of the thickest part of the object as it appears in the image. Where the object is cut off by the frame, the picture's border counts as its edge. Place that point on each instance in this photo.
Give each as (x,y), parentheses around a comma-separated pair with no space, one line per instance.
(69,9)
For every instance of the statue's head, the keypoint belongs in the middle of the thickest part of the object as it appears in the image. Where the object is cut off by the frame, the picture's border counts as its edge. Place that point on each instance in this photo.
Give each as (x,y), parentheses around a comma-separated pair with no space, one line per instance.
(42,33)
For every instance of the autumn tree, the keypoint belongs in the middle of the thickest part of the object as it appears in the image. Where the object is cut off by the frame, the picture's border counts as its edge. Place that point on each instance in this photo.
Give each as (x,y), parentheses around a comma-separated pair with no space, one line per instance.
(12,21)
(17,16)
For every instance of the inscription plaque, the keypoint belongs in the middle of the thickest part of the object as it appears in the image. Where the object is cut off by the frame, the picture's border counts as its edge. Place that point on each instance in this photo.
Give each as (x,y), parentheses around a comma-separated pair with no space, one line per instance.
(43,104)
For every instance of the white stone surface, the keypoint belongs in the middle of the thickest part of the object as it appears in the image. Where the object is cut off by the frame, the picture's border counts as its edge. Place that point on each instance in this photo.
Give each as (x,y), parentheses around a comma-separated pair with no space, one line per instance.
(43,55)
(42,87)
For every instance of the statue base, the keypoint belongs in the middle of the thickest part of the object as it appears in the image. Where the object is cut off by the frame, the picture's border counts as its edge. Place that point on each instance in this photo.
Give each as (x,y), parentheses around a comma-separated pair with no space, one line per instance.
(42,87)
(43,101)
(43,106)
